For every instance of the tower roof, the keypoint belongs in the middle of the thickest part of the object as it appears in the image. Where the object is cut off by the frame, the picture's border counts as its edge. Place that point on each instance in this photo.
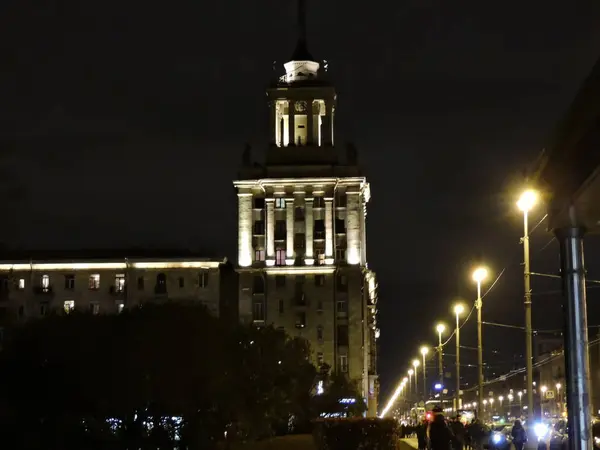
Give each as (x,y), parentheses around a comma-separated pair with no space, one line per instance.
(301,52)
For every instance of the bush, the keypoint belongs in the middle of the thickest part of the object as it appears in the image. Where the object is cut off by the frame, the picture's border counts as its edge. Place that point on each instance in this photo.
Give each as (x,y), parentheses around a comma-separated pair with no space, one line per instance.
(356,433)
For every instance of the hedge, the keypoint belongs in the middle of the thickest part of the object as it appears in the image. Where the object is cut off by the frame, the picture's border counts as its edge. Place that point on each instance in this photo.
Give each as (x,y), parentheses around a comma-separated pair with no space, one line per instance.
(355,434)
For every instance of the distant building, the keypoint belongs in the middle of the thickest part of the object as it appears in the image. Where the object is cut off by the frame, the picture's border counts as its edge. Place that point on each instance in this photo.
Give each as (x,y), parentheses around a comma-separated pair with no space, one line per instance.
(101,284)
(302,230)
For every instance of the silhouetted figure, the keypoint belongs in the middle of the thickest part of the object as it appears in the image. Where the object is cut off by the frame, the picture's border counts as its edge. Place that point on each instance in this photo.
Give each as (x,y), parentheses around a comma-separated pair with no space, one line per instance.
(458,429)
(519,435)
(440,436)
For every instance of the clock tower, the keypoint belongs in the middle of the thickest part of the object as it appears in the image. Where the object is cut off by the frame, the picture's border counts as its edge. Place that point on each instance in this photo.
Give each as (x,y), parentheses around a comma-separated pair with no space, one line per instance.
(302,255)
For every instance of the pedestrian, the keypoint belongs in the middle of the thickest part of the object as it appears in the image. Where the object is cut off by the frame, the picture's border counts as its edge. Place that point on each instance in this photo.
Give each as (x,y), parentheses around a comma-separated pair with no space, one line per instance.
(439,434)
(458,430)
(476,434)
(421,432)
(519,435)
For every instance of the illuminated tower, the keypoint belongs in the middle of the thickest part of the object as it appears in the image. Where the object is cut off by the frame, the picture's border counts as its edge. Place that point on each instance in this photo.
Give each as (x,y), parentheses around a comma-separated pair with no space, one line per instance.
(301,228)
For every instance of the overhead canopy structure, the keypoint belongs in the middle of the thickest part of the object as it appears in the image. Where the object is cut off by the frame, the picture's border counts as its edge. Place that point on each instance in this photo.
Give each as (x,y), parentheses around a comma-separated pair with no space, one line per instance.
(570,170)
(570,174)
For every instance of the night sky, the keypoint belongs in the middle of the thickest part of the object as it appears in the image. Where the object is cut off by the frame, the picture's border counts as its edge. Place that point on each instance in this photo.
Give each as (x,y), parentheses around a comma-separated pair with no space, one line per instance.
(123,124)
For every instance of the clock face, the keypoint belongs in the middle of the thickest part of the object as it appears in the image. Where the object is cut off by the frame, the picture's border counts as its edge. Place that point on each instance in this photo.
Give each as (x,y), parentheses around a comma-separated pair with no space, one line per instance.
(300,106)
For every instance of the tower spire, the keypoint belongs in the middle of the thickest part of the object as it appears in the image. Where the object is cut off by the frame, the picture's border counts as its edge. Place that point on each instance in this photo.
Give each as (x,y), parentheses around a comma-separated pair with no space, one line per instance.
(301,52)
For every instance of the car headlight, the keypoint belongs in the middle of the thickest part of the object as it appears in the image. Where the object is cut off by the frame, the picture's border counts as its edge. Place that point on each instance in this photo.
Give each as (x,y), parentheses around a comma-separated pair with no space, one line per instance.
(497,437)
(540,430)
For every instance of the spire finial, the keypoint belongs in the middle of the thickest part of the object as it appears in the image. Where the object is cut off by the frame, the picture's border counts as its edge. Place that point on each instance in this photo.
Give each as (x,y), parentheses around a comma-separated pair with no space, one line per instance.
(301,20)
(301,53)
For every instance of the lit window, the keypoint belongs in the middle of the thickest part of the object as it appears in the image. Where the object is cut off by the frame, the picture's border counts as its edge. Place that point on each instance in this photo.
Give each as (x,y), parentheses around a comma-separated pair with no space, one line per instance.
(343,363)
(280,257)
(259,255)
(119,283)
(95,308)
(45,282)
(279,202)
(69,305)
(95,281)
(120,307)
(21,283)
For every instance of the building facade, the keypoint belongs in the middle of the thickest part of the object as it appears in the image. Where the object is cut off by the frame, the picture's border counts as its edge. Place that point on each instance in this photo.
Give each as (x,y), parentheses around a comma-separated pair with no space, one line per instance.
(34,288)
(302,230)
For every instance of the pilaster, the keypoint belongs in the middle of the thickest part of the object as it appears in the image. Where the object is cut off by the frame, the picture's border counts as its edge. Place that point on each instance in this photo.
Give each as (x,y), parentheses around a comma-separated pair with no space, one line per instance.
(309,223)
(310,117)
(289,228)
(328,230)
(270,231)
(245,229)
(353,226)
(272,123)
(291,122)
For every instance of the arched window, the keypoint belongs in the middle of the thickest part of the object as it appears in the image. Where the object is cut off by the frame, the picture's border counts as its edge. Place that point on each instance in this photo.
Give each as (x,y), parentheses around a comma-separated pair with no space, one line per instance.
(161,283)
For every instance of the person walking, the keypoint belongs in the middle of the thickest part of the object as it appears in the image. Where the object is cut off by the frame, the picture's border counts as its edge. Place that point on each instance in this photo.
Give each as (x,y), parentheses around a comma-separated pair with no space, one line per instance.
(458,430)
(439,434)
(421,432)
(519,435)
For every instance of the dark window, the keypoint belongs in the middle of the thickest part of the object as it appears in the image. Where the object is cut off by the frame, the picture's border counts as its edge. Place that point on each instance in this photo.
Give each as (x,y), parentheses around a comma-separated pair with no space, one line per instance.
(320,359)
(203,279)
(21,312)
(140,283)
(299,214)
(300,319)
(340,200)
(319,305)
(319,229)
(299,241)
(342,335)
(279,281)
(161,284)
(258,285)
(319,280)
(319,333)
(280,306)
(342,306)
(258,311)
(69,282)
(259,203)
(318,202)
(181,282)
(259,227)
(342,283)
(4,284)
(280,230)
(340,226)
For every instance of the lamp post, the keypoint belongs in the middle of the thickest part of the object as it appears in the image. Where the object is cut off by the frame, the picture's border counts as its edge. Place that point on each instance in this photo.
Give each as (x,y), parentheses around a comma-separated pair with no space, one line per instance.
(458,310)
(478,276)
(404,381)
(500,399)
(424,351)
(558,396)
(520,394)
(410,374)
(525,203)
(415,365)
(510,403)
(543,390)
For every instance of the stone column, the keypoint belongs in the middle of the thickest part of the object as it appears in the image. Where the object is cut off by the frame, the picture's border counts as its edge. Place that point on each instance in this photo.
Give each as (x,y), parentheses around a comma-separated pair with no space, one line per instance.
(329,230)
(289,227)
(244,229)
(272,123)
(270,231)
(309,223)
(310,128)
(353,226)
(326,134)
(291,122)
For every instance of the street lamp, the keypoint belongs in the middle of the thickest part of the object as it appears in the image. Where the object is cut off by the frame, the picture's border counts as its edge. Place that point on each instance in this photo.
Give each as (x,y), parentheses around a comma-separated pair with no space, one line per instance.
(558,386)
(520,394)
(458,310)
(415,364)
(543,390)
(526,202)
(440,328)
(479,275)
(424,351)
(501,398)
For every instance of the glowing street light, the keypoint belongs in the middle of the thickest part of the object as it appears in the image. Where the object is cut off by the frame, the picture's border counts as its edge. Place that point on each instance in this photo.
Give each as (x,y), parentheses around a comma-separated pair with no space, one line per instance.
(543,390)
(424,350)
(459,308)
(526,202)
(479,275)
(415,364)
(440,328)
(410,374)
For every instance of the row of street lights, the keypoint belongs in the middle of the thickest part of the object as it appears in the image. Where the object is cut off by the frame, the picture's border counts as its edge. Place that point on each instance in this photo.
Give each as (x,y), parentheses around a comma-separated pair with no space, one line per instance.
(526,202)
